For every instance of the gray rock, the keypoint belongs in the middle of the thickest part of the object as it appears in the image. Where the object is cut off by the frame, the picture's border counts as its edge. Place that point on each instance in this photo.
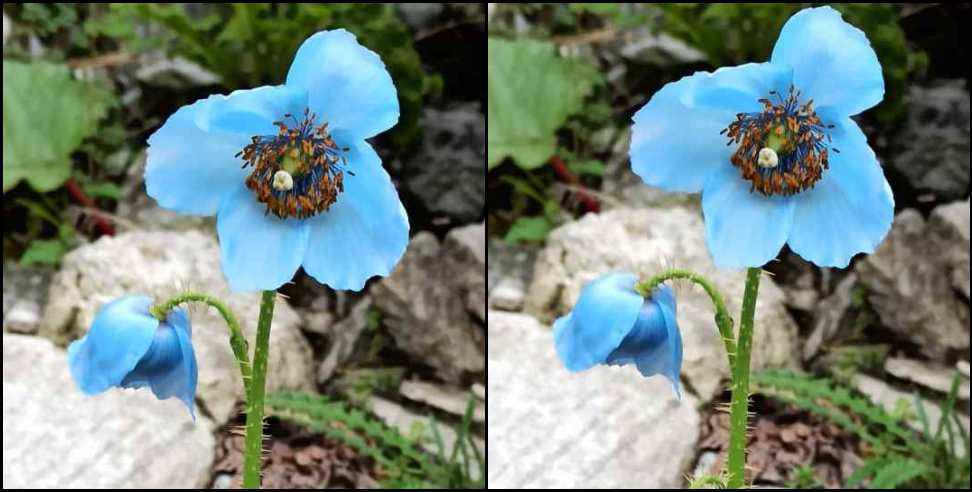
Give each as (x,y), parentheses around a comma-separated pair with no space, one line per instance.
(604,428)
(646,241)
(451,400)
(909,284)
(948,226)
(929,376)
(419,15)
(888,397)
(425,309)
(932,150)
(447,175)
(343,337)
(24,296)
(829,316)
(162,264)
(319,322)
(661,49)
(464,249)
(419,428)
(176,73)
(56,437)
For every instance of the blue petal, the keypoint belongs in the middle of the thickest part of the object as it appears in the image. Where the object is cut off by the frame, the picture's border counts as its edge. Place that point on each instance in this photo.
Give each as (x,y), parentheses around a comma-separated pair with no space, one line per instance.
(738,89)
(743,228)
(122,332)
(674,145)
(191,165)
(850,209)
(253,111)
(603,316)
(258,251)
(347,84)
(169,366)
(365,232)
(832,61)
(655,343)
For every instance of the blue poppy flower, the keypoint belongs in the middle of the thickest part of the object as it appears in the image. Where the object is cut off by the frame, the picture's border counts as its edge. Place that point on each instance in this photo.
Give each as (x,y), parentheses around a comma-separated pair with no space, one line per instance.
(127,347)
(287,171)
(797,169)
(612,324)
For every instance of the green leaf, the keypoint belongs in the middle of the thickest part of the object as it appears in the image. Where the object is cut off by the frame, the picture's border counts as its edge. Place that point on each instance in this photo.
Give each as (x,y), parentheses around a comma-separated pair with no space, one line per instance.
(531,92)
(592,167)
(102,189)
(529,229)
(46,115)
(43,252)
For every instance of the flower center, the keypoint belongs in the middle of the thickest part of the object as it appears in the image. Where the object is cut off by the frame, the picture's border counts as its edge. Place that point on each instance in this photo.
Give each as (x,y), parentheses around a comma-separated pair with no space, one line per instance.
(298,172)
(781,148)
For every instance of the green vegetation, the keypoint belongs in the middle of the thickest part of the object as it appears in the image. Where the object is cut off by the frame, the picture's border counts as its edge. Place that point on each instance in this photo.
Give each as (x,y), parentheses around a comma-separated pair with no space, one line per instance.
(402,461)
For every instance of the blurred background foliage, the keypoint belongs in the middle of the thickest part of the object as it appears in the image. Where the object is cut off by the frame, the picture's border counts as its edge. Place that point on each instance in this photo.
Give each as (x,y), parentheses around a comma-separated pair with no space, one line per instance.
(548,155)
(65,154)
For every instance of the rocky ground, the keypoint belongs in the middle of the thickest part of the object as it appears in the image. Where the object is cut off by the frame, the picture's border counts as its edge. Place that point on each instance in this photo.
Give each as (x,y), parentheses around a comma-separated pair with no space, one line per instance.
(409,348)
(317,339)
(608,427)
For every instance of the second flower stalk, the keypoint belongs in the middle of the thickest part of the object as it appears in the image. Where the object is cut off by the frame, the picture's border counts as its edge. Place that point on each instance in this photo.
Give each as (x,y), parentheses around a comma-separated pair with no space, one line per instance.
(619,321)
(253,376)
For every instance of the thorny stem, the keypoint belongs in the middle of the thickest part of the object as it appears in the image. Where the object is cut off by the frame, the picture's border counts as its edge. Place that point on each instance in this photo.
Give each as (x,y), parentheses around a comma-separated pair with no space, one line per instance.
(722,318)
(739,406)
(254,402)
(237,340)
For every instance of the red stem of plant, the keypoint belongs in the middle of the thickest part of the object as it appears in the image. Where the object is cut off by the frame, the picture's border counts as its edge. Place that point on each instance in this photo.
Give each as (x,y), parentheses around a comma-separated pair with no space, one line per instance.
(588,200)
(77,194)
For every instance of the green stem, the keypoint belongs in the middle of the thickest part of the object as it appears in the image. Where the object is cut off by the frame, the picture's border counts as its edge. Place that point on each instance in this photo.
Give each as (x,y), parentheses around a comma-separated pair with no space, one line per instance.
(739,407)
(254,402)
(237,340)
(722,318)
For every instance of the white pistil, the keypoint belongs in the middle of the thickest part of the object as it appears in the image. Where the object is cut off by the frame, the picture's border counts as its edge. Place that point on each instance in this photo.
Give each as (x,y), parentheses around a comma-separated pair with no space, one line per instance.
(767,158)
(283,181)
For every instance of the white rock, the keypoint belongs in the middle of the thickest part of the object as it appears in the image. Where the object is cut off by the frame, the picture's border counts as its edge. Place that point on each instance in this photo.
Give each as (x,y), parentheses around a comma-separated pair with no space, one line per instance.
(479,390)
(451,400)
(22,318)
(647,241)
(963,367)
(602,428)
(936,378)
(56,437)
(507,295)
(161,264)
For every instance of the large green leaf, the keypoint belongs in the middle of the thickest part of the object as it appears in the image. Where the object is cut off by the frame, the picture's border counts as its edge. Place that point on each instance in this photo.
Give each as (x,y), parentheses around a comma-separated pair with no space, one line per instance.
(46,115)
(531,92)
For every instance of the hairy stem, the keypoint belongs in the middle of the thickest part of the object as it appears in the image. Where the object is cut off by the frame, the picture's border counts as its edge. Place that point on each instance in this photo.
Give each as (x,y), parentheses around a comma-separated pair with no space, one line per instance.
(722,318)
(254,402)
(739,406)
(237,340)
